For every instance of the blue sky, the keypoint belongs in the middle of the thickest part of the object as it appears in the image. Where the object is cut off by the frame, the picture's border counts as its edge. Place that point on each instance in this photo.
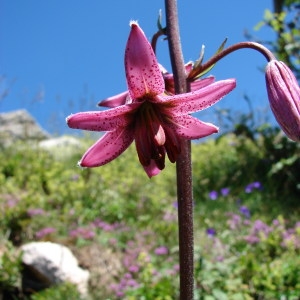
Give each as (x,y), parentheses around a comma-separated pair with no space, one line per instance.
(60,57)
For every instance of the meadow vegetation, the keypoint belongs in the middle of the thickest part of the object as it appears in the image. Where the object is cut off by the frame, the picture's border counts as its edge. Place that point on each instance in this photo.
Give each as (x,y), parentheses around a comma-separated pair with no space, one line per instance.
(122,225)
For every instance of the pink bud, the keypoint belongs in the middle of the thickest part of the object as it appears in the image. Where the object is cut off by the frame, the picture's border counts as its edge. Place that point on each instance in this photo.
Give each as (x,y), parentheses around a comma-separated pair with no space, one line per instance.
(284,96)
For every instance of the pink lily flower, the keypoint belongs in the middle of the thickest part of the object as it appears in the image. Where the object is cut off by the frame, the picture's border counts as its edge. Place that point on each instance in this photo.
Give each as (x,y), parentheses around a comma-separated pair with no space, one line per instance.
(284,96)
(155,121)
(124,98)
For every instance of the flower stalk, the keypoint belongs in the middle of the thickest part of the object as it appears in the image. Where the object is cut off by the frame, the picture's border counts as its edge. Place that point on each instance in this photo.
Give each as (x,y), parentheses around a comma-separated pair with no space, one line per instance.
(183,164)
(220,55)
(282,86)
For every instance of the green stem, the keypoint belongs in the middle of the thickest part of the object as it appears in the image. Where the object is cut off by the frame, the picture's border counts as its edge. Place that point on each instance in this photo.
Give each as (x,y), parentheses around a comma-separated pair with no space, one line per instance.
(183,164)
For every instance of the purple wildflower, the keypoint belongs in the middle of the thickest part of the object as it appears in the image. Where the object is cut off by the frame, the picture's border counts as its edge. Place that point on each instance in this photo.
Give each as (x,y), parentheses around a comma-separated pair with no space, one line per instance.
(170,272)
(113,241)
(162,250)
(132,283)
(104,225)
(213,195)
(127,282)
(234,222)
(170,216)
(276,222)
(251,239)
(247,222)
(127,276)
(257,185)
(81,232)
(245,211)
(225,191)
(248,189)
(35,212)
(133,268)
(45,231)
(11,201)
(176,267)
(120,294)
(253,185)
(75,177)
(260,226)
(211,232)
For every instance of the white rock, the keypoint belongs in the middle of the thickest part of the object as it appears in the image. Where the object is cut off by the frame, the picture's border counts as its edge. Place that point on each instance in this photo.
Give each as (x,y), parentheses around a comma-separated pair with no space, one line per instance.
(62,146)
(60,142)
(55,262)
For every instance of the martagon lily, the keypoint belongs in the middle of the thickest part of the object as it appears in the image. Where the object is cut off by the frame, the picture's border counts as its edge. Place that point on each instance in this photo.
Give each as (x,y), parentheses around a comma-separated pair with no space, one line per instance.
(124,97)
(153,119)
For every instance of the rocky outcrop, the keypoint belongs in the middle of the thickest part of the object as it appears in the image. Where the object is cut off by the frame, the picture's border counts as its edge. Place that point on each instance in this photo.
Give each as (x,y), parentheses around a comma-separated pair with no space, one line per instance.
(19,125)
(47,263)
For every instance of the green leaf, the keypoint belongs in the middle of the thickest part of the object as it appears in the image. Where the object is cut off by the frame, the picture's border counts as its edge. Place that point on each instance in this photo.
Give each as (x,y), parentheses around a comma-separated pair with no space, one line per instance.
(197,65)
(268,15)
(218,294)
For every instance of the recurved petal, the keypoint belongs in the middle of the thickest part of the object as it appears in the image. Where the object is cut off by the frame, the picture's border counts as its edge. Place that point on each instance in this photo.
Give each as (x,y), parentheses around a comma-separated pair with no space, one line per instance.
(152,169)
(142,70)
(107,148)
(115,101)
(101,120)
(201,83)
(191,128)
(198,100)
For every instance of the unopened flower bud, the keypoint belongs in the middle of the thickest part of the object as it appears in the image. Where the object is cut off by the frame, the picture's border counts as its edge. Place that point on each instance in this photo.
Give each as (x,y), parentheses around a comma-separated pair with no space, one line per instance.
(284,96)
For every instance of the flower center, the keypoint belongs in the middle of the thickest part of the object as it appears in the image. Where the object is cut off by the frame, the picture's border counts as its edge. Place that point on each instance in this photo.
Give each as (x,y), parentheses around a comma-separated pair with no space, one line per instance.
(153,137)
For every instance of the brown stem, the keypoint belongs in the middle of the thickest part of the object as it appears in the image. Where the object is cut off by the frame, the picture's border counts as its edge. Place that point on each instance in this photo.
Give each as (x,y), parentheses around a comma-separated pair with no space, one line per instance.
(155,38)
(183,164)
(175,47)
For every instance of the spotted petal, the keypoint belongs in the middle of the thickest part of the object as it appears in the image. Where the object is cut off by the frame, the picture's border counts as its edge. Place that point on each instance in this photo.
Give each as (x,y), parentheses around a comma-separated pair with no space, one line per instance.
(191,128)
(101,120)
(201,83)
(107,148)
(200,99)
(115,101)
(142,70)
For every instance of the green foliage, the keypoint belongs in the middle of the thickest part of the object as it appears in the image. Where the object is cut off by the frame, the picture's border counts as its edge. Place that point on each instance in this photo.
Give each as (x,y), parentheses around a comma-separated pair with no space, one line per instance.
(246,153)
(285,22)
(117,207)
(252,260)
(228,161)
(60,292)
(163,286)
(10,266)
